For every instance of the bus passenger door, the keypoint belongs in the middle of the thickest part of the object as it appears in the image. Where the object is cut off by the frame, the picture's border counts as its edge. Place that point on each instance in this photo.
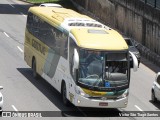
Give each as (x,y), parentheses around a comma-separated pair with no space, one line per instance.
(73,74)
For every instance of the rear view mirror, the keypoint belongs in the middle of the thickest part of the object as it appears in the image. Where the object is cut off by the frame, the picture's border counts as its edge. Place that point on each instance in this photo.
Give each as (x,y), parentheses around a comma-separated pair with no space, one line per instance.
(135,62)
(1,87)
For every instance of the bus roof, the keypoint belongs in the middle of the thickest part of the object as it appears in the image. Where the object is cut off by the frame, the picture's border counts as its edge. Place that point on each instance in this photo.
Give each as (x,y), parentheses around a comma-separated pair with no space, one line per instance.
(58,15)
(100,39)
(88,32)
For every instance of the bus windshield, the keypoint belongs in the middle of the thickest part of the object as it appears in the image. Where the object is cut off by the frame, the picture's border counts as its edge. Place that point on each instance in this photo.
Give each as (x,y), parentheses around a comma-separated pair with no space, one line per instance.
(103,69)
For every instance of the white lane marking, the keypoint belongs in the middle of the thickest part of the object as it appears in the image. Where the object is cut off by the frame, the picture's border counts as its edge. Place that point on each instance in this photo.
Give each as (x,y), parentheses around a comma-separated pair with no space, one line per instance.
(22,14)
(6,34)
(11,5)
(14,108)
(138,108)
(20,49)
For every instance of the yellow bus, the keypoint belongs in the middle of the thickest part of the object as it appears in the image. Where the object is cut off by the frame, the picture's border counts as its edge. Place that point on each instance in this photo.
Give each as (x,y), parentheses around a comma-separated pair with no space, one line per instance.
(86,61)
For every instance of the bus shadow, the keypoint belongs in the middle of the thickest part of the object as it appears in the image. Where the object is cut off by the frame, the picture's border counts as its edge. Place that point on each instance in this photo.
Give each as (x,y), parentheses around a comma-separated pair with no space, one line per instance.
(16,9)
(70,111)
(150,65)
(45,88)
(156,104)
(101,112)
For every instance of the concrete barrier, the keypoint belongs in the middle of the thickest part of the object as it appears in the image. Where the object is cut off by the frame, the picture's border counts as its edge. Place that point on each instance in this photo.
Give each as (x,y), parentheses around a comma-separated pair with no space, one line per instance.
(131,17)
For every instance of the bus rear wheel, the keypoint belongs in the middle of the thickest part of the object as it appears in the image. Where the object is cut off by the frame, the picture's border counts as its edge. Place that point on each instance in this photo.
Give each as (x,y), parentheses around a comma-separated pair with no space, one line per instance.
(35,75)
(64,95)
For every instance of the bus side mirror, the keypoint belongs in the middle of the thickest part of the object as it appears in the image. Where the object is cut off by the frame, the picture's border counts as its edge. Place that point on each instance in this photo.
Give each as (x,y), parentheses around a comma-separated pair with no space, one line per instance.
(1,87)
(135,62)
(75,60)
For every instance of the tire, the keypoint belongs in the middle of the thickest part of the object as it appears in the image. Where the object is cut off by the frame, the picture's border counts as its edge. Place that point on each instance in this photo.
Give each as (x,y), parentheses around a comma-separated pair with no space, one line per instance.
(153,97)
(64,95)
(138,63)
(35,75)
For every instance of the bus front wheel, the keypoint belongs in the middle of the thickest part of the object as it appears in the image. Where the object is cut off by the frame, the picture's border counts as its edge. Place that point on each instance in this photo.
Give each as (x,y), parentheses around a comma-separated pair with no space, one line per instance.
(64,95)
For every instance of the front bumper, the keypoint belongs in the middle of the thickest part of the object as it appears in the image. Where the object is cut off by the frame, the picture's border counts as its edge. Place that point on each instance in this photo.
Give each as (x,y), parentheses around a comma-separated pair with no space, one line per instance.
(81,101)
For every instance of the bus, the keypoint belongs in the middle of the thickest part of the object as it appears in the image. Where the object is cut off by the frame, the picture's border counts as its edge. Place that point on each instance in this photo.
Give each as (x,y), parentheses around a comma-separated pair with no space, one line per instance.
(83,59)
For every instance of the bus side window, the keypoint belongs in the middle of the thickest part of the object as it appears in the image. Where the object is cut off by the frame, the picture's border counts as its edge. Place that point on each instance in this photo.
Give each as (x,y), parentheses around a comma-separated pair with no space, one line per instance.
(60,42)
(57,47)
(64,45)
(50,38)
(33,25)
(46,35)
(42,31)
(36,24)
(29,21)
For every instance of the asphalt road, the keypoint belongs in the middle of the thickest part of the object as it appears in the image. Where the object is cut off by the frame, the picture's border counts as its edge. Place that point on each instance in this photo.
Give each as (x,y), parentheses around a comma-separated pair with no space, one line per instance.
(23,93)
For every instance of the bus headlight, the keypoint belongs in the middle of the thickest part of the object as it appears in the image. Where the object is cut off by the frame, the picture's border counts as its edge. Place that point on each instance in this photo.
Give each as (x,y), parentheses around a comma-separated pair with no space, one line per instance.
(79,91)
(125,94)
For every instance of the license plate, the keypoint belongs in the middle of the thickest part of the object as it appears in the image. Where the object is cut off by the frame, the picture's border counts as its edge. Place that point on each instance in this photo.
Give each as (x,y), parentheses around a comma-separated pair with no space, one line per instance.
(103,104)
